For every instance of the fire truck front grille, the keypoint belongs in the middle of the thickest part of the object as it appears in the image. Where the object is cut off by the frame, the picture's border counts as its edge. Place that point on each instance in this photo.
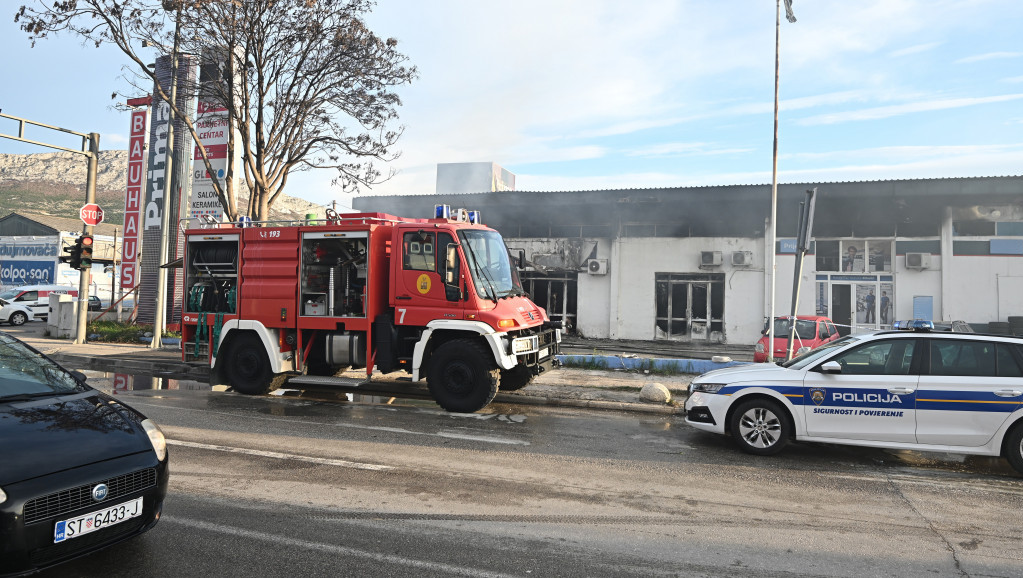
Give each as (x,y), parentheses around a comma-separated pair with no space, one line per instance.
(546,338)
(530,316)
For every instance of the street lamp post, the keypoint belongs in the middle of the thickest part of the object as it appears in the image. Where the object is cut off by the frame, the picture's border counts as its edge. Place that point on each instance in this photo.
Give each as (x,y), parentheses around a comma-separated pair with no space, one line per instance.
(772,241)
(159,318)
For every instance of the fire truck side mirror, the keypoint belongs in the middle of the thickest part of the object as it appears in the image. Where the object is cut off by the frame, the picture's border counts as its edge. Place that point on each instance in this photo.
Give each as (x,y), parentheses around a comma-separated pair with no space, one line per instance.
(451,265)
(452,284)
(522,259)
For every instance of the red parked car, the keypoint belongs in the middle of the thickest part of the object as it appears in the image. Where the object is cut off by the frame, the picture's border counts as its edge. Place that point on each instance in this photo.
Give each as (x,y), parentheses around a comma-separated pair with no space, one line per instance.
(812,331)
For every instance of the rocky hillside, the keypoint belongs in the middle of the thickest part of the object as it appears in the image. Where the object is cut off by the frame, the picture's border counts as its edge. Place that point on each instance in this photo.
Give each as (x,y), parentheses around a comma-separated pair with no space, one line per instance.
(54,183)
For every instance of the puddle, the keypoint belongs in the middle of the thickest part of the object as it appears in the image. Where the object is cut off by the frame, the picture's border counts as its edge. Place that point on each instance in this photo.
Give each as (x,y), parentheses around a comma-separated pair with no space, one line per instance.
(122,382)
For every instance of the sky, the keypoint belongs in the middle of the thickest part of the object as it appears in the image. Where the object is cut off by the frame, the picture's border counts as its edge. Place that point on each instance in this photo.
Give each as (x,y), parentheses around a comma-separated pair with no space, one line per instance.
(601,94)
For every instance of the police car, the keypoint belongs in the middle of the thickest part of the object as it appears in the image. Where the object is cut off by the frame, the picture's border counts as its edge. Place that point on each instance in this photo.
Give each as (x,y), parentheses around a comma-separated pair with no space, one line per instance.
(920,390)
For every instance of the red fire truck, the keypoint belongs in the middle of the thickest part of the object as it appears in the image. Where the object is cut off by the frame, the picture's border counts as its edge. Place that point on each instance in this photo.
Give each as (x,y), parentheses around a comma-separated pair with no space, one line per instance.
(438,298)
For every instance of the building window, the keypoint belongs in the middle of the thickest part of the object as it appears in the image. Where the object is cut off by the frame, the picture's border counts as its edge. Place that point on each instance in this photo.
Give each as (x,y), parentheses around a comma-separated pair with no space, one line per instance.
(973,228)
(556,294)
(690,307)
(827,256)
(850,256)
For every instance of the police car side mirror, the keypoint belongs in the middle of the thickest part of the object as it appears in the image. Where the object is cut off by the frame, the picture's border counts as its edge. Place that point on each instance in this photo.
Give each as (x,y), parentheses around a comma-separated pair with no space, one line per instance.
(831,367)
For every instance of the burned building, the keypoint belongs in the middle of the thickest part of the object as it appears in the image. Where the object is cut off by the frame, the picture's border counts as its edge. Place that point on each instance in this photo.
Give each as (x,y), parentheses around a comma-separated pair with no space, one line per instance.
(689,263)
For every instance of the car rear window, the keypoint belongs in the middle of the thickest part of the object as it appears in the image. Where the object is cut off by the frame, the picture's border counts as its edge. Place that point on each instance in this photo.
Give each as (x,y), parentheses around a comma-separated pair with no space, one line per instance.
(963,358)
(1008,366)
(805,329)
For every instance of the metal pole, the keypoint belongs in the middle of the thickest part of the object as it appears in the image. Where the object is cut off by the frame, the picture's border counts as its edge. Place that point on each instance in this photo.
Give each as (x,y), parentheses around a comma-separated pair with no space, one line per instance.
(113,269)
(796,285)
(85,277)
(774,188)
(159,320)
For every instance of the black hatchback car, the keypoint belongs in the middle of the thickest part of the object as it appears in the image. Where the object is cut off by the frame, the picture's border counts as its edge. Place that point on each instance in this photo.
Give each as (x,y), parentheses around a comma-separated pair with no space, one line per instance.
(79,470)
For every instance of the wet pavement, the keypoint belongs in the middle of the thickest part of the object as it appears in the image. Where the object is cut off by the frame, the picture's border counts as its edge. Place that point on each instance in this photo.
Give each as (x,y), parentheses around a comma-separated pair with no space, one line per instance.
(136,366)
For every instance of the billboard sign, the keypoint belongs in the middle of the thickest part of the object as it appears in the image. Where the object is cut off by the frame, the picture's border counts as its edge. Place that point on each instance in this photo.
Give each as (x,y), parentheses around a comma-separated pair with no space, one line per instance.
(28,260)
(214,130)
(133,199)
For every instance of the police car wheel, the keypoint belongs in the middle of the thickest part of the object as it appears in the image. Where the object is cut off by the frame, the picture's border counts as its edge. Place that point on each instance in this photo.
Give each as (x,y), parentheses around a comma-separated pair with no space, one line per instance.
(1014,447)
(760,427)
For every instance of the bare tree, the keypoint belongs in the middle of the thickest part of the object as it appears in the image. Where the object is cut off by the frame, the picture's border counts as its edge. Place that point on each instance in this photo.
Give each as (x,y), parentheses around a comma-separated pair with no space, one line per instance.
(306,83)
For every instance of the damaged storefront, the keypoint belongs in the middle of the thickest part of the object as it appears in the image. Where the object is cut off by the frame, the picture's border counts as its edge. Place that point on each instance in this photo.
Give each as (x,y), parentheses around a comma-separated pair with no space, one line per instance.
(692,264)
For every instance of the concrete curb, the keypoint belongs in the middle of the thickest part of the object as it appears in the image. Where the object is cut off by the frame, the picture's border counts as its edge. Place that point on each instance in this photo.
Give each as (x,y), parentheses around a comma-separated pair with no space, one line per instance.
(525,399)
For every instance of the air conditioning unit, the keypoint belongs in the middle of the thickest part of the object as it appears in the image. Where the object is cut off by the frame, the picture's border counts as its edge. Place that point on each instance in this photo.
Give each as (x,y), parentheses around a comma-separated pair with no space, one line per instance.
(596,266)
(742,258)
(710,258)
(918,260)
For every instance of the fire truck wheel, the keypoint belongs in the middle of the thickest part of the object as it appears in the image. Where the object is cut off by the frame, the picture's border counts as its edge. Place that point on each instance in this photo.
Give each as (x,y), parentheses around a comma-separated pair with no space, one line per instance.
(248,368)
(462,376)
(516,378)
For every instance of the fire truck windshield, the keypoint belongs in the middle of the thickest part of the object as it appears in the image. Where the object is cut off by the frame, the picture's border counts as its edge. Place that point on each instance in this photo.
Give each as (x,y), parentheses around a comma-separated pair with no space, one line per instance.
(491,269)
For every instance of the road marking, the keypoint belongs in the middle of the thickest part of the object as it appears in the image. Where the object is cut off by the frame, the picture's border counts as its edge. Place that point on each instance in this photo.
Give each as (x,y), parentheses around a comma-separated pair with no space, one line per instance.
(280,456)
(479,438)
(277,540)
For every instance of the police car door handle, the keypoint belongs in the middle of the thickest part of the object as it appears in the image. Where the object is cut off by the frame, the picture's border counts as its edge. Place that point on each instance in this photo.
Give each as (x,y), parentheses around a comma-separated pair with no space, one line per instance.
(1008,393)
(900,390)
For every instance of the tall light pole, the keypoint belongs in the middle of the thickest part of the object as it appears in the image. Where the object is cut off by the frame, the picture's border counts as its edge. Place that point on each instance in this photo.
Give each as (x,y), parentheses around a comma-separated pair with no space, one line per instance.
(159,318)
(772,242)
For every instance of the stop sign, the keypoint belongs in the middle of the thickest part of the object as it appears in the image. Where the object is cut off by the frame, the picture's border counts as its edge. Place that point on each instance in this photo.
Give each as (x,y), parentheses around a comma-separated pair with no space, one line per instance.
(91,214)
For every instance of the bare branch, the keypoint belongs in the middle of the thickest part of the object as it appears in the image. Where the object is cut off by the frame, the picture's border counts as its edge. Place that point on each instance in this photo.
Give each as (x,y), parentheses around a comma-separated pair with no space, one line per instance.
(312,86)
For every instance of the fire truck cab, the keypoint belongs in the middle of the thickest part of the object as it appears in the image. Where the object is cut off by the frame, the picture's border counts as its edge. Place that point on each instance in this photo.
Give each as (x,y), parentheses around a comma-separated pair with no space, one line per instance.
(438,298)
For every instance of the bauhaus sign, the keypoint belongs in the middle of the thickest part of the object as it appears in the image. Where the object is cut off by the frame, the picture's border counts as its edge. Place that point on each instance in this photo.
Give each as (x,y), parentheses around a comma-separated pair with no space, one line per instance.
(133,199)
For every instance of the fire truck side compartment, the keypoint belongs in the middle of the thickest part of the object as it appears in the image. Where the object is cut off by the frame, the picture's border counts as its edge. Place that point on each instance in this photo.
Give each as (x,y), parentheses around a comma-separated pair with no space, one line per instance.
(269,275)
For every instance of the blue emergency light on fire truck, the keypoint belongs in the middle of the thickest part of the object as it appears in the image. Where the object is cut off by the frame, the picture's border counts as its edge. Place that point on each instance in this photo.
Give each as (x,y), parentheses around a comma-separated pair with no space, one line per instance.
(438,298)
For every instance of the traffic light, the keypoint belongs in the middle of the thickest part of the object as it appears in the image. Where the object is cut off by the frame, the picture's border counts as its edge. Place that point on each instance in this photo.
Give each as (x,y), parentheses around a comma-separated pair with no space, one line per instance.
(85,252)
(75,259)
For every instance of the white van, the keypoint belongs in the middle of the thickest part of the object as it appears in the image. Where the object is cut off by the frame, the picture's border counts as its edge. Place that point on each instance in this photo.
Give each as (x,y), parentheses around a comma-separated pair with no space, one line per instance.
(37,297)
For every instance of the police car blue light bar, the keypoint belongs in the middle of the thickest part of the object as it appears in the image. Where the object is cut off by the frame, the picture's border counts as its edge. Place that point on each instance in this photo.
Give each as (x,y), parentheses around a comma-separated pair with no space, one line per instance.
(913,325)
(442,211)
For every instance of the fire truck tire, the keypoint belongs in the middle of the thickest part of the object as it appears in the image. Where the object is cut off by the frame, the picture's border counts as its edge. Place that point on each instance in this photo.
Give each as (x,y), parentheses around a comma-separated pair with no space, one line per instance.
(248,368)
(516,378)
(463,377)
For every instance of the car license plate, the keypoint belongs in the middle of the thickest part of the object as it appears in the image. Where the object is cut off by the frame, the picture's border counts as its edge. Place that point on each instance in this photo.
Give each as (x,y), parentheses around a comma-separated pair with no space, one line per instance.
(75,527)
(545,352)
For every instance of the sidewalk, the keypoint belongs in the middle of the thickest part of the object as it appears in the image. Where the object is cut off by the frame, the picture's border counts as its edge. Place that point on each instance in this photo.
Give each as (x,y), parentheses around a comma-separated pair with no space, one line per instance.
(610,381)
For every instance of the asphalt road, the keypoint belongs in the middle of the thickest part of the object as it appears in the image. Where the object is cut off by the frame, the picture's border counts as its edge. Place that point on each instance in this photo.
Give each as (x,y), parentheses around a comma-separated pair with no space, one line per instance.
(273,486)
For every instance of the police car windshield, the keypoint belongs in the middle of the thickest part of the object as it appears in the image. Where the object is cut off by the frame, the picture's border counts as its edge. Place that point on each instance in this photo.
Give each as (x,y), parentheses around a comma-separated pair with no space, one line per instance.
(810,357)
